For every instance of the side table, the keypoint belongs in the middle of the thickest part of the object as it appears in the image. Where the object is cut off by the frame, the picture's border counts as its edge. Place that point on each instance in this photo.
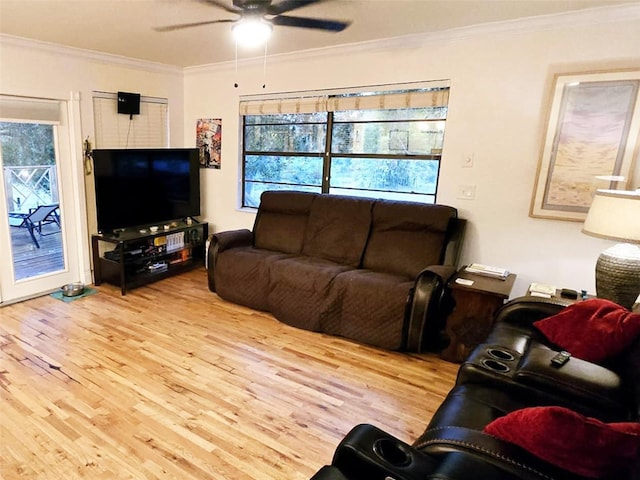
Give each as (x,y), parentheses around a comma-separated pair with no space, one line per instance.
(475,306)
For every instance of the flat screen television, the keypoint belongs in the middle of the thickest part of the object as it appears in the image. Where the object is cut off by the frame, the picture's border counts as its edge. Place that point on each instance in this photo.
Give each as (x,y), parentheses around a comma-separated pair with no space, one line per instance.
(141,187)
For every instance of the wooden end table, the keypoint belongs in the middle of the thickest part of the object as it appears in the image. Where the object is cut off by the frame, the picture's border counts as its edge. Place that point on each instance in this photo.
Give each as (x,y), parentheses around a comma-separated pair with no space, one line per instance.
(475,306)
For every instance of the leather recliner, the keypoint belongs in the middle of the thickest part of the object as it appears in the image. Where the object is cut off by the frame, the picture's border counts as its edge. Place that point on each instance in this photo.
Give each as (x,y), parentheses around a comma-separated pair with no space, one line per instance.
(368,453)
(512,370)
(509,372)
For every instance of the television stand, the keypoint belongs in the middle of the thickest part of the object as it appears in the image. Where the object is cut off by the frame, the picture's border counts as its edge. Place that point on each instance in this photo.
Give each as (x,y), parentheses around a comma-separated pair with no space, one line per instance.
(137,256)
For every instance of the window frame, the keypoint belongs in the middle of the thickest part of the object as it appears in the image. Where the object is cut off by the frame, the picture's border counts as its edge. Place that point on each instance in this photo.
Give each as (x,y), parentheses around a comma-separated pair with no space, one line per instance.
(328,155)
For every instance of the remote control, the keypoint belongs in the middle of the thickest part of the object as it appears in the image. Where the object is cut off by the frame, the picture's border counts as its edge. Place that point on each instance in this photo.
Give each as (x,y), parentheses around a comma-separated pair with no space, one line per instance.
(560,359)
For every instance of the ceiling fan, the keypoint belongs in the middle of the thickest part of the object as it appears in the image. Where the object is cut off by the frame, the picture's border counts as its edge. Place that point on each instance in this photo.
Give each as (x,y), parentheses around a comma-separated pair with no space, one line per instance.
(262,15)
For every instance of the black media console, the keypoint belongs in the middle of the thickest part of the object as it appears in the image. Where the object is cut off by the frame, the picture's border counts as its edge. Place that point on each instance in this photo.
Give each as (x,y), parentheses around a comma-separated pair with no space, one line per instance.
(138,256)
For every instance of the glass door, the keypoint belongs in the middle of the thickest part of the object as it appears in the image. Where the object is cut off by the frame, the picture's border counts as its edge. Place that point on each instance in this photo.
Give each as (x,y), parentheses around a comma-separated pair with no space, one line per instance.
(35,228)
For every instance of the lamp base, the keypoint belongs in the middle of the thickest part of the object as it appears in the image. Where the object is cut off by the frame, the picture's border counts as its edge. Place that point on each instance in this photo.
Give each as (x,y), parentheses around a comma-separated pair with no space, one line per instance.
(618,274)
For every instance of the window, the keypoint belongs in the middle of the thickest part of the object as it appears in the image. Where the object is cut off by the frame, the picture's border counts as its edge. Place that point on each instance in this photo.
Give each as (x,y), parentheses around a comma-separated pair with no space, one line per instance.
(149,129)
(385,144)
(27,151)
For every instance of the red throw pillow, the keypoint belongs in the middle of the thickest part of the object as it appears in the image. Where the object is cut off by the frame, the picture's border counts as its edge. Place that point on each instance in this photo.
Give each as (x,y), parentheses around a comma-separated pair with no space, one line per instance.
(564,438)
(593,330)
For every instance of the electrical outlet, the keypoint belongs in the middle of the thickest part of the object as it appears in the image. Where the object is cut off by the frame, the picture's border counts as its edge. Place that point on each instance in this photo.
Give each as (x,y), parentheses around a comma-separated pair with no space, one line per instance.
(467,160)
(466,192)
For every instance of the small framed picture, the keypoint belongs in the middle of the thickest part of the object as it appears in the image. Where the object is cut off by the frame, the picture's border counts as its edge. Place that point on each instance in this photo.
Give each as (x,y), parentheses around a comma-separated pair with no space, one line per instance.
(209,142)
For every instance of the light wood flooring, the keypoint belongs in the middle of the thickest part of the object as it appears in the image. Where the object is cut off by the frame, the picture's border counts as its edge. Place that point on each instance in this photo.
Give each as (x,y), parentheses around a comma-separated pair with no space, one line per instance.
(171,382)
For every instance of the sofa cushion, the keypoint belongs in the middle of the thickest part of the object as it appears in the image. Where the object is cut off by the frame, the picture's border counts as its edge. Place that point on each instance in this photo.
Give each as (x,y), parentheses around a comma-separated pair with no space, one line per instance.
(582,445)
(282,220)
(338,229)
(594,330)
(372,308)
(300,291)
(407,237)
(241,275)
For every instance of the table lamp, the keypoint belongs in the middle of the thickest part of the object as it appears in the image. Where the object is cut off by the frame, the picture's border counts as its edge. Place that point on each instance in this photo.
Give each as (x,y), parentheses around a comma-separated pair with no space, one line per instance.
(615,215)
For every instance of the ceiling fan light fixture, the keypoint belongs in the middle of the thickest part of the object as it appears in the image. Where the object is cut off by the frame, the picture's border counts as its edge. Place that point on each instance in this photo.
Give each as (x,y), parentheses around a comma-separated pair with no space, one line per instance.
(252,32)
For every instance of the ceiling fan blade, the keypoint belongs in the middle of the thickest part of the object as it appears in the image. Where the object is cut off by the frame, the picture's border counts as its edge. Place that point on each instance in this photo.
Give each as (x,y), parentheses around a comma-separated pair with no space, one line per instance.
(288,5)
(317,23)
(222,5)
(171,28)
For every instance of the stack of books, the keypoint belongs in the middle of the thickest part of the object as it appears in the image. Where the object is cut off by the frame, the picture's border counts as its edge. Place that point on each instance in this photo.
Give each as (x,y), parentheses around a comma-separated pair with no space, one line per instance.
(175,241)
(487,271)
(542,290)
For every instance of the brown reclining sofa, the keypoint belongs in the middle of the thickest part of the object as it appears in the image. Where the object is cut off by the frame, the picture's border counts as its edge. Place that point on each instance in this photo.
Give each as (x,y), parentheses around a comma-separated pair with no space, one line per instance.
(367,269)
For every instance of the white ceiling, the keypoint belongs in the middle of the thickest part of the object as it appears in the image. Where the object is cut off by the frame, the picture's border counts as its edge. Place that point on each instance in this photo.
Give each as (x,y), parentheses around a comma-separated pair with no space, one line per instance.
(126,27)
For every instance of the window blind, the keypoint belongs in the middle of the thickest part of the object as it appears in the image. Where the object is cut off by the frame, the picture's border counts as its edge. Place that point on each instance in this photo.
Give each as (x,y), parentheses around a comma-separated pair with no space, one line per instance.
(331,102)
(30,110)
(284,105)
(149,129)
(431,98)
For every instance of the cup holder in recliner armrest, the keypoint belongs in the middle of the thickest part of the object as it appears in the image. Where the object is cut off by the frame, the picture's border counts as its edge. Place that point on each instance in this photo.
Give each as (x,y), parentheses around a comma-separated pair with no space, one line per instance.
(489,363)
(368,452)
(495,365)
(500,354)
(392,451)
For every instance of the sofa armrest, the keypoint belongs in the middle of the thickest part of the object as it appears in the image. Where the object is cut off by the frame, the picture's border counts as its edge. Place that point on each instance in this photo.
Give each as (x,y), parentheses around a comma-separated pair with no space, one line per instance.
(329,472)
(232,239)
(584,381)
(221,241)
(504,455)
(444,272)
(456,232)
(368,452)
(582,386)
(426,308)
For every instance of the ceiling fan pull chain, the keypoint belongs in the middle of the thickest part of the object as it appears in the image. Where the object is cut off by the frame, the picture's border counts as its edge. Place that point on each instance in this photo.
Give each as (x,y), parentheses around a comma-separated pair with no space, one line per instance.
(236,82)
(264,67)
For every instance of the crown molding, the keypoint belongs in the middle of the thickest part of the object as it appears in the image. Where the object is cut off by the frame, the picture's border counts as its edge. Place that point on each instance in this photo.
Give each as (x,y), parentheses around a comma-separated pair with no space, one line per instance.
(88,55)
(581,18)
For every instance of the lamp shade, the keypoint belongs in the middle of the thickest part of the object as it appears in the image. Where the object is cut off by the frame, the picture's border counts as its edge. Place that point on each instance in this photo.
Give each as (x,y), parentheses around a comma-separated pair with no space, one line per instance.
(615,215)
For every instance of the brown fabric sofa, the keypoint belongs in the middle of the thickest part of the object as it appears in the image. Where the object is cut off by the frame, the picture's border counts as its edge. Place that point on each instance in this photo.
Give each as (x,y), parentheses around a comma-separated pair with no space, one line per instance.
(366,269)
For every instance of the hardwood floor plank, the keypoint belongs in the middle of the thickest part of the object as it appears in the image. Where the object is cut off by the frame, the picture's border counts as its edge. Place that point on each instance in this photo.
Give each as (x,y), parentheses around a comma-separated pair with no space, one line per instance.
(170,381)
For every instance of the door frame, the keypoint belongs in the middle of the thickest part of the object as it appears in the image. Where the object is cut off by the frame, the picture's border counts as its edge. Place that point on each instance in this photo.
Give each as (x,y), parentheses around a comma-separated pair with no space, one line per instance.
(68,140)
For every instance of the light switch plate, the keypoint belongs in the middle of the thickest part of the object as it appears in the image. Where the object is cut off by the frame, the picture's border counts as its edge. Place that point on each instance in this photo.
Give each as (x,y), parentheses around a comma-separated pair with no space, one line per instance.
(466,192)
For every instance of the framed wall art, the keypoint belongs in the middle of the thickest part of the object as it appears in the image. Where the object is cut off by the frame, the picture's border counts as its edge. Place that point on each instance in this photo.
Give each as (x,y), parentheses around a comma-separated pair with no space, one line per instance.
(590,141)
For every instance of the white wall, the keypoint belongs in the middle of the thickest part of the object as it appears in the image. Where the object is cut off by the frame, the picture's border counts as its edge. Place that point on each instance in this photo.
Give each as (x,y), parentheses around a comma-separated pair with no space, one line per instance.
(36,69)
(501,76)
